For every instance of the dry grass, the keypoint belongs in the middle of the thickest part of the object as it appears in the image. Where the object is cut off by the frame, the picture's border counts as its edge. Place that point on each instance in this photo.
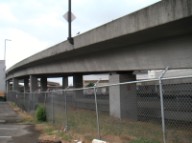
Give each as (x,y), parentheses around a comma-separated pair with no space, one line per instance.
(25,117)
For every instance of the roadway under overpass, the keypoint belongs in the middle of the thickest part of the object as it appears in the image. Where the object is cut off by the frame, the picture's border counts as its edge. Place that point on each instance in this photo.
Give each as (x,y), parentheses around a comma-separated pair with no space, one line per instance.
(152,38)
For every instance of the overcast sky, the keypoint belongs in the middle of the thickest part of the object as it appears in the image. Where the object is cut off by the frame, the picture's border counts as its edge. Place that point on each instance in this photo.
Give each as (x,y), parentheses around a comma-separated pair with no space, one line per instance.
(34,25)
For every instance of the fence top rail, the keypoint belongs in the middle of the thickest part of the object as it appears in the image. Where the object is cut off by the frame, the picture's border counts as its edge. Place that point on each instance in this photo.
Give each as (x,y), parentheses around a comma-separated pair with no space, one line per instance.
(130,82)
(115,84)
(124,83)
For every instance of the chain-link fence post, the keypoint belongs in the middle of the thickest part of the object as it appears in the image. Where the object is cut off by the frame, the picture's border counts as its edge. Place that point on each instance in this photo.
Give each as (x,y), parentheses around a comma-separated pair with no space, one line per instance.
(96,109)
(53,114)
(30,101)
(162,104)
(65,106)
(45,99)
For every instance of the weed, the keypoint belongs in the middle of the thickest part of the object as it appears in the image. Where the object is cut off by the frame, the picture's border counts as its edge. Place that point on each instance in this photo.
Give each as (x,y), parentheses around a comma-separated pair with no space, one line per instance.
(41,113)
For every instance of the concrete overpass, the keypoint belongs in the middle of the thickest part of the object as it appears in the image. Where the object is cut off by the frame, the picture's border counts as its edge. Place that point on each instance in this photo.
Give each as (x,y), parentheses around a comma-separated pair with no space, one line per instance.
(152,38)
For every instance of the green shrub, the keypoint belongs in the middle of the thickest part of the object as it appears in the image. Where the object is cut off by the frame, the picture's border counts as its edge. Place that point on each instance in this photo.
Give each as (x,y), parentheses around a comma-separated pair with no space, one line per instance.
(90,84)
(41,114)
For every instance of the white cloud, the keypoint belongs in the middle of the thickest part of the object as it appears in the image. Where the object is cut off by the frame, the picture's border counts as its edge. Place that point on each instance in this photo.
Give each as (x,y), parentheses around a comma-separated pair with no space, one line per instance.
(50,19)
(22,46)
(6,13)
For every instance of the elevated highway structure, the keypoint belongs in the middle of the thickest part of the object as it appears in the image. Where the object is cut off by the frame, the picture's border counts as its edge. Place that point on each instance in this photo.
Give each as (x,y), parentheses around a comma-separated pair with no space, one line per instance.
(149,39)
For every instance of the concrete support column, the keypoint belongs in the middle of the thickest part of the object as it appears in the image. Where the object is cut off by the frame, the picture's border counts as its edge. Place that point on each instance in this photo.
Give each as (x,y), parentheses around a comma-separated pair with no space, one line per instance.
(122,98)
(78,80)
(78,83)
(43,83)
(15,84)
(26,84)
(33,83)
(8,86)
(65,82)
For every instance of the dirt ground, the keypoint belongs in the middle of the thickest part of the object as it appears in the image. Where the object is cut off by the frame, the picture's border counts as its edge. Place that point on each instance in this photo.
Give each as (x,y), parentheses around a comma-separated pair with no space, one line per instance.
(31,137)
(32,132)
(12,130)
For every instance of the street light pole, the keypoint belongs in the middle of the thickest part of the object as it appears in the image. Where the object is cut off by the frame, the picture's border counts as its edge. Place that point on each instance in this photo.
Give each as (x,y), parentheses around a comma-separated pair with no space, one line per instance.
(5,42)
(69,17)
(5,49)
(69,22)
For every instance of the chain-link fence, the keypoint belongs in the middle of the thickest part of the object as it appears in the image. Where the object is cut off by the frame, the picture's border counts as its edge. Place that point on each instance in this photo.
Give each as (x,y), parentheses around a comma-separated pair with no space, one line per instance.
(138,113)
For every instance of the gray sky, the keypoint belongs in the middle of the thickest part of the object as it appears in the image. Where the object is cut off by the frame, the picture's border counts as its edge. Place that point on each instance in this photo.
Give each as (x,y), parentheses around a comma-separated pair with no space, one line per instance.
(34,25)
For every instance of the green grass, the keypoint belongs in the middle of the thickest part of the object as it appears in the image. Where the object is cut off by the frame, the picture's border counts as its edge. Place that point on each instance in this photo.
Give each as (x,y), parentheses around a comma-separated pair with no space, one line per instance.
(84,122)
(142,140)
(121,131)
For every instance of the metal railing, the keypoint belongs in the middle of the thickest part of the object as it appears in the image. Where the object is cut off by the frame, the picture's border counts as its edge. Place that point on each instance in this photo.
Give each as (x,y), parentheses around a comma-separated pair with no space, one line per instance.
(163,110)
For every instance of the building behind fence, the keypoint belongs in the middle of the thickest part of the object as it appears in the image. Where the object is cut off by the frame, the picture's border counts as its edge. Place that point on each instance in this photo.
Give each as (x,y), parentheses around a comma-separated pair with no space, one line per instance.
(2,78)
(177,105)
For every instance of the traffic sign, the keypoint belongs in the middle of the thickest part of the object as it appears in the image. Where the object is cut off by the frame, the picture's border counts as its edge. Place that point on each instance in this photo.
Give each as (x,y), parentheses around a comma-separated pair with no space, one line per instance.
(66,16)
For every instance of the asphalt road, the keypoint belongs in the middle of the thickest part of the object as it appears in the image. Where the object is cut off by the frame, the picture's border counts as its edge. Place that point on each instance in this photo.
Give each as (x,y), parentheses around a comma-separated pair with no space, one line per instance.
(11,130)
